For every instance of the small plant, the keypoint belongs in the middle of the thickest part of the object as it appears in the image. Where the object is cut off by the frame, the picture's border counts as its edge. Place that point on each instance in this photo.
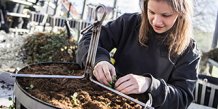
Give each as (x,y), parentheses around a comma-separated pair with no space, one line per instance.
(48,47)
(10,98)
(30,87)
(112,83)
(12,106)
(75,102)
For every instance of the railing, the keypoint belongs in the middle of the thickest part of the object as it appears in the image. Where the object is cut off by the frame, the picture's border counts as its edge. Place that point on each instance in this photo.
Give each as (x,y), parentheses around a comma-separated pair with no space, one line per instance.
(39,22)
(206,92)
(43,22)
(18,15)
(24,2)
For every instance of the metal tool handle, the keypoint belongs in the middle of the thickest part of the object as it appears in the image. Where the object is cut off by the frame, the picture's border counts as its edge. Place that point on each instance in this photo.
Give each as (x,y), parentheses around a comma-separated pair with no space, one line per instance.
(96,29)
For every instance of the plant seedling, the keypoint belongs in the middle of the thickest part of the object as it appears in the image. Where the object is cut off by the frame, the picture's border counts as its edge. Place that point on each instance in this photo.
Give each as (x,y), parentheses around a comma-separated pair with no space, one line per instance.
(12,106)
(112,83)
(75,101)
(30,87)
(10,98)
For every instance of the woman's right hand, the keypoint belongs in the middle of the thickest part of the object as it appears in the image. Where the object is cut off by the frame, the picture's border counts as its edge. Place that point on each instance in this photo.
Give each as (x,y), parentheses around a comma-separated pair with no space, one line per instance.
(104,71)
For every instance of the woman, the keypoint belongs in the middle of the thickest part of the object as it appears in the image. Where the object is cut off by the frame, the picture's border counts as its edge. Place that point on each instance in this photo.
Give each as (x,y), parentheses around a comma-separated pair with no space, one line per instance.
(155,53)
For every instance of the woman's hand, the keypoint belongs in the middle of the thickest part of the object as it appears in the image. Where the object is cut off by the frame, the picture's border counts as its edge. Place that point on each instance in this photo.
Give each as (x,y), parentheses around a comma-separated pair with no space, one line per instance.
(133,84)
(104,71)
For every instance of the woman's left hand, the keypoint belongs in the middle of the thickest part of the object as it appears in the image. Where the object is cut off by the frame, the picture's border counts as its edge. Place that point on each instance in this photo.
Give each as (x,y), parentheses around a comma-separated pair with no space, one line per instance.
(133,84)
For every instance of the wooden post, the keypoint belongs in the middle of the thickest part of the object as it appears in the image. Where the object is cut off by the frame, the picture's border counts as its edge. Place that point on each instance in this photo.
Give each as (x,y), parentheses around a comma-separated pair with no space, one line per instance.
(69,10)
(114,8)
(56,7)
(83,9)
(47,6)
(214,42)
(215,36)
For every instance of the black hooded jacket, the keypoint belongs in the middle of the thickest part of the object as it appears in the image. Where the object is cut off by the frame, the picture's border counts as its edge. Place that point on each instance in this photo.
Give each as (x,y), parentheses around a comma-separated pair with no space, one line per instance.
(173,81)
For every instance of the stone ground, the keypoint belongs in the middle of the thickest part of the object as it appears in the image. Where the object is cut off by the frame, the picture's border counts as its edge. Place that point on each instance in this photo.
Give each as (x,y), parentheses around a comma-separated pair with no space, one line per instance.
(6,89)
(9,47)
(9,62)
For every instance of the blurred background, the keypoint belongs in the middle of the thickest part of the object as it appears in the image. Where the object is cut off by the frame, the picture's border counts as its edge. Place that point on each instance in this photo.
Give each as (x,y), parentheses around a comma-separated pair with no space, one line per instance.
(30,12)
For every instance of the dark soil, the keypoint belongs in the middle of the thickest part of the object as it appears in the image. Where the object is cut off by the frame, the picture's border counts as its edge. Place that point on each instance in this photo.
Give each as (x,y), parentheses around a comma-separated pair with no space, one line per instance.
(71,93)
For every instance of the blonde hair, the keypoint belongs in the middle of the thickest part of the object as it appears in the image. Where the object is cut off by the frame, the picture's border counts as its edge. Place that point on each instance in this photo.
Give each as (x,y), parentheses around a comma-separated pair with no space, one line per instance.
(179,35)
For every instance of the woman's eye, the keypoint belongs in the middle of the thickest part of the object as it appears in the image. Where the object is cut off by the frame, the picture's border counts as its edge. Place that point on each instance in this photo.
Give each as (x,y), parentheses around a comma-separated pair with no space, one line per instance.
(166,15)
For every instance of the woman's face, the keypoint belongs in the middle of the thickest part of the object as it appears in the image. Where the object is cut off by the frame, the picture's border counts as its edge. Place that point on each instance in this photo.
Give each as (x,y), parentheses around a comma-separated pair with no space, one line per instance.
(161,15)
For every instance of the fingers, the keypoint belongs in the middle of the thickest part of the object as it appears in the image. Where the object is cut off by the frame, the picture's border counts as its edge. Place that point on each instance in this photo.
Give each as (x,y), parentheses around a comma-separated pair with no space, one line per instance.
(126,85)
(107,73)
(132,84)
(113,73)
(121,80)
(100,76)
(130,90)
(103,72)
(129,84)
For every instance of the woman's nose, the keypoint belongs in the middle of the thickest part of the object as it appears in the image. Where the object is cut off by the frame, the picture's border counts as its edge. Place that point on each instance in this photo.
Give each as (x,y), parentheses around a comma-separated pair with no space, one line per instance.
(157,20)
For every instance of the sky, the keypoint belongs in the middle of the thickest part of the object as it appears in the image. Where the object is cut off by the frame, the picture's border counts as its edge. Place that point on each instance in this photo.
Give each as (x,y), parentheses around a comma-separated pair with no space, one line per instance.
(125,6)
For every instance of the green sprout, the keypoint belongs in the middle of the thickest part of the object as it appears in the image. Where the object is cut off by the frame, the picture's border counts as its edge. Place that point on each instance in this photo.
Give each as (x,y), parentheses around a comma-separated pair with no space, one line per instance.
(10,98)
(12,106)
(112,83)
(75,102)
(30,87)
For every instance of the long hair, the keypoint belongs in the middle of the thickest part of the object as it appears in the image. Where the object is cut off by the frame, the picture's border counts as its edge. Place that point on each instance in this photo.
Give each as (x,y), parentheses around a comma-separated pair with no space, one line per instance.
(179,35)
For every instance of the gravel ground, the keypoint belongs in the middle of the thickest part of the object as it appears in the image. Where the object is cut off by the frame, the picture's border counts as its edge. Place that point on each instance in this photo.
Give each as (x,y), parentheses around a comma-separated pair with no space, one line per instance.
(9,47)
(6,89)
